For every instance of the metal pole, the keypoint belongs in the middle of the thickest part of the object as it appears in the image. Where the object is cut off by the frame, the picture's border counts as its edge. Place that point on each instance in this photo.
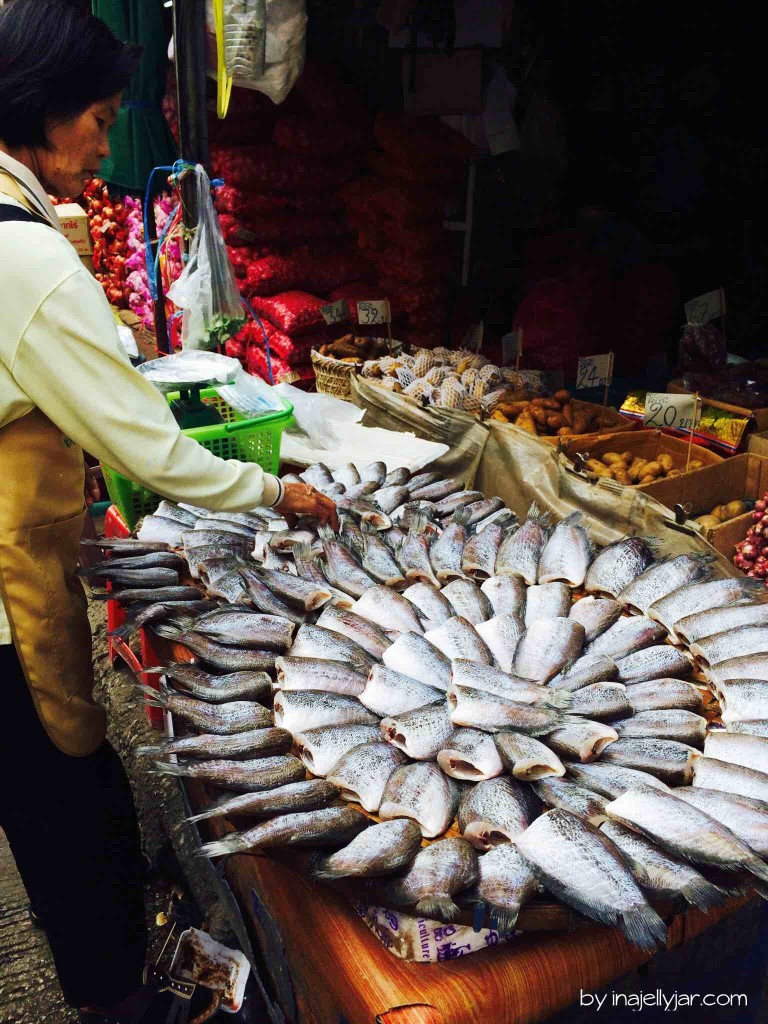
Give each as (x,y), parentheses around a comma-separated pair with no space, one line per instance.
(191,79)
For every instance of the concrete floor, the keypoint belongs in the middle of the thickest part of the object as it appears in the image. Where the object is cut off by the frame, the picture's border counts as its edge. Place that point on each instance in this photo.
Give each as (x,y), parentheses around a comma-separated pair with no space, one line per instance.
(29,990)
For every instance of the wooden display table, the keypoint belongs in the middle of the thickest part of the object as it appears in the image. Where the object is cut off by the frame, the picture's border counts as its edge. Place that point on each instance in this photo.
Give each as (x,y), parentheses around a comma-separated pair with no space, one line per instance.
(339,972)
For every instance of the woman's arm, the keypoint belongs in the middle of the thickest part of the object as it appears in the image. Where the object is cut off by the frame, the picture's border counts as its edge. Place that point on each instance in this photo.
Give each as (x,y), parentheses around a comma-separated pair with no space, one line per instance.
(70,364)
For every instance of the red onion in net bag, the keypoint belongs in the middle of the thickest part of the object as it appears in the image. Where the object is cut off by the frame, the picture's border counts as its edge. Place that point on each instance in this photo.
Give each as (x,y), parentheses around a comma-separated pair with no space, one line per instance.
(293,312)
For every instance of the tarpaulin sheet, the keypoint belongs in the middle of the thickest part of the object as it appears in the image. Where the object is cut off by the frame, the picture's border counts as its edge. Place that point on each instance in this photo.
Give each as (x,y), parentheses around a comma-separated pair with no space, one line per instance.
(504,460)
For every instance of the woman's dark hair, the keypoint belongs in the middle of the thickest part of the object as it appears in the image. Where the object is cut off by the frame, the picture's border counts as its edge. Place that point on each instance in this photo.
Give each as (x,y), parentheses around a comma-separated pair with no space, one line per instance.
(54,63)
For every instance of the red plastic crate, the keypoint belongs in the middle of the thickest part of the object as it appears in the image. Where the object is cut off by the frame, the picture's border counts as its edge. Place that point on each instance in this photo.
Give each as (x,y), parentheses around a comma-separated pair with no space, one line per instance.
(114,526)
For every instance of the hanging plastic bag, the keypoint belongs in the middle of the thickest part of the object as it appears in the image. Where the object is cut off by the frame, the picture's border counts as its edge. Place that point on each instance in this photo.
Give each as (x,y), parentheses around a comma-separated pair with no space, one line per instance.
(239,29)
(263,45)
(206,290)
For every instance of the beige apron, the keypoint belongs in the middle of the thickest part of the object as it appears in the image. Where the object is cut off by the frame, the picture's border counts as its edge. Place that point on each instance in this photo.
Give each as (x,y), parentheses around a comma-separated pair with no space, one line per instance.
(41,520)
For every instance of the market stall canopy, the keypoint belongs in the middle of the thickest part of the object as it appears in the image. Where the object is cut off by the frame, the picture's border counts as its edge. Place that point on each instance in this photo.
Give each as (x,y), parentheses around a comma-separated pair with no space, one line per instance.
(140,140)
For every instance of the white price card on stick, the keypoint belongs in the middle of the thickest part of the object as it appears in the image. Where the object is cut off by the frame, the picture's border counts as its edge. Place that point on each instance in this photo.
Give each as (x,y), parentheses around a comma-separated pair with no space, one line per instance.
(671,412)
(705,307)
(335,312)
(374,312)
(594,371)
(512,347)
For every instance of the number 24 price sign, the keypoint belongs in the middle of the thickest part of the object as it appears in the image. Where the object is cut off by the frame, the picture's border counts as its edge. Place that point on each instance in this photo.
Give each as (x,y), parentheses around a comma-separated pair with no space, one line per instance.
(594,372)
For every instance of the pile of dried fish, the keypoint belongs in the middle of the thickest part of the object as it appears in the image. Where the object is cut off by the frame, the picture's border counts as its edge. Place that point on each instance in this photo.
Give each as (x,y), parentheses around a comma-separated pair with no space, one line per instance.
(431,665)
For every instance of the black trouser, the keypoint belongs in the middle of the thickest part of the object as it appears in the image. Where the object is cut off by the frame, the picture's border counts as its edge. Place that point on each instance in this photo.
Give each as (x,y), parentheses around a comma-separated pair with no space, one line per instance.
(71,826)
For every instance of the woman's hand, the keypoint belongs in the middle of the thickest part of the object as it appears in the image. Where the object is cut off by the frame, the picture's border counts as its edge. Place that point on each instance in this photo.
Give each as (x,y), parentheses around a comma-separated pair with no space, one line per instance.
(305,500)
(92,491)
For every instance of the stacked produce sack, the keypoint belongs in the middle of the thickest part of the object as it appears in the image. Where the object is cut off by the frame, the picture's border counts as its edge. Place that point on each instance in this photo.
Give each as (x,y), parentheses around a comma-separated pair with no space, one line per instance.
(282,218)
(398,213)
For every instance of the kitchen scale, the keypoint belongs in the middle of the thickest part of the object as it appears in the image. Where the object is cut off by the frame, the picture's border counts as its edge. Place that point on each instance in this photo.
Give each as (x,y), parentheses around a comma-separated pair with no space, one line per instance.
(186,374)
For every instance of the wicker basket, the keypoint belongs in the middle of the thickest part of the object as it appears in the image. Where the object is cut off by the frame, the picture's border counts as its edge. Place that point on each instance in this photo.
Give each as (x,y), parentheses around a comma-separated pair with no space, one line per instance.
(333,376)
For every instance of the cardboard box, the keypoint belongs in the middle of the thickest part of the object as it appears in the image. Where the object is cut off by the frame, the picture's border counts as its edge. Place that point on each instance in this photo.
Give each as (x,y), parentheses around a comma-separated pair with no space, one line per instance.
(758,443)
(744,477)
(74,224)
(644,444)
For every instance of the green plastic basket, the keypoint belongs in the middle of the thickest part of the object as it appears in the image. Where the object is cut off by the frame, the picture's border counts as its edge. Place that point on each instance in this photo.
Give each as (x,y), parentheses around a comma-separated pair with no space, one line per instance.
(247,440)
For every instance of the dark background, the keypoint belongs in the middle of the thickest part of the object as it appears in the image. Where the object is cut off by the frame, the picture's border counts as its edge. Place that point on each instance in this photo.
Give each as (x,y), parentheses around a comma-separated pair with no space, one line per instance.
(664,129)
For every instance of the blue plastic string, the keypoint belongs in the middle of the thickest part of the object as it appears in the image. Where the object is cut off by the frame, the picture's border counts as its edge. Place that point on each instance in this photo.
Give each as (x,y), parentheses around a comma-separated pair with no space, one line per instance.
(175,170)
(249,308)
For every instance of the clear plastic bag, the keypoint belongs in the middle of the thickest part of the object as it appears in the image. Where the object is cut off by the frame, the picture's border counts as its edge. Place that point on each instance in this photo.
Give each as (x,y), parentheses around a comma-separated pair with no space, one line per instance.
(206,290)
(264,44)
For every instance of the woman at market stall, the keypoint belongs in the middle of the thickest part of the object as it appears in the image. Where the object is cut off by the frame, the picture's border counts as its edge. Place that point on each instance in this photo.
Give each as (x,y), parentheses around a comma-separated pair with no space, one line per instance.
(65,386)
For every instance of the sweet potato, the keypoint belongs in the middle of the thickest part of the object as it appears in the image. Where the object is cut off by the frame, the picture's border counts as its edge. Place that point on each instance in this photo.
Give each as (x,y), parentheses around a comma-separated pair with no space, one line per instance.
(546,403)
(555,421)
(562,396)
(539,415)
(568,414)
(652,469)
(526,421)
(498,415)
(665,461)
(565,432)
(611,458)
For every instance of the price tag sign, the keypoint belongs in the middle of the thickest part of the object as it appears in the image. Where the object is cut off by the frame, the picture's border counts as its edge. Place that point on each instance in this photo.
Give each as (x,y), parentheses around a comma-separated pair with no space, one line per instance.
(594,371)
(512,347)
(373,312)
(671,412)
(706,307)
(335,312)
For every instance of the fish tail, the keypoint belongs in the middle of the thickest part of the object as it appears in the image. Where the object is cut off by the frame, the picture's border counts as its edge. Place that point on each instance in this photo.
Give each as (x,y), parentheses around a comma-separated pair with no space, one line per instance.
(560,700)
(325,533)
(167,768)
(643,927)
(151,750)
(704,557)
(461,516)
(316,869)
(302,551)
(155,698)
(124,631)
(574,519)
(166,631)
(757,867)
(503,921)
(103,595)
(233,843)
(702,894)
(759,888)
(210,813)
(440,907)
(478,914)
(538,515)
